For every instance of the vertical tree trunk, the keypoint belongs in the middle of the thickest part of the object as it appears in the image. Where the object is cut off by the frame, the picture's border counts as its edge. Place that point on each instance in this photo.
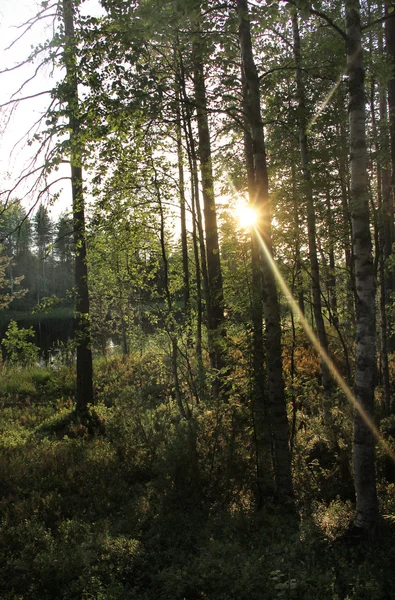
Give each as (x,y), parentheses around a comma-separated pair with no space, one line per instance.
(197,230)
(345,195)
(365,364)
(332,296)
(84,394)
(170,321)
(389,234)
(384,233)
(298,258)
(199,250)
(311,221)
(192,160)
(181,180)
(260,412)
(277,405)
(383,238)
(215,290)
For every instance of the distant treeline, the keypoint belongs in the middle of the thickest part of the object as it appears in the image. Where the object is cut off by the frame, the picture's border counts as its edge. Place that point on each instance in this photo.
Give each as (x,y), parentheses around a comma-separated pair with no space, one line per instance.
(39,253)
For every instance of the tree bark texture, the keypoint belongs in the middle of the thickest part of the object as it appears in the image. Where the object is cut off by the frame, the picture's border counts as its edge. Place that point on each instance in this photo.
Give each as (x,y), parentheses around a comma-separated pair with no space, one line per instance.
(365,364)
(276,395)
(260,412)
(84,393)
(388,204)
(215,321)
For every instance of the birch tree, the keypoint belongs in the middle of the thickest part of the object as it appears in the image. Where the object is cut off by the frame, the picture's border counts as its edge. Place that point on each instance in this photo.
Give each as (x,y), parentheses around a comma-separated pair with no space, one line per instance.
(365,363)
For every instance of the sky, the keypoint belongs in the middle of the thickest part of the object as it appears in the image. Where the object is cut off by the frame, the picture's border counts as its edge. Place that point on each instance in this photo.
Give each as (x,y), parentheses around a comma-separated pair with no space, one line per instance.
(15,153)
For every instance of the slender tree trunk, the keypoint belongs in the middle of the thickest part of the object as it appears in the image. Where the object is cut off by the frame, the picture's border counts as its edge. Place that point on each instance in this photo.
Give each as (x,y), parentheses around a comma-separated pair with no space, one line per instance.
(384,234)
(170,321)
(389,234)
(311,221)
(345,195)
(199,303)
(259,403)
(84,394)
(277,405)
(192,160)
(384,295)
(365,364)
(332,296)
(181,180)
(198,247)
(298,258)
(215,322)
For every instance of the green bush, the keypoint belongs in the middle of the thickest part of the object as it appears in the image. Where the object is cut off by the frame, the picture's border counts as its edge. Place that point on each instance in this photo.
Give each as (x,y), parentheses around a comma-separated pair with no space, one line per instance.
(18,348)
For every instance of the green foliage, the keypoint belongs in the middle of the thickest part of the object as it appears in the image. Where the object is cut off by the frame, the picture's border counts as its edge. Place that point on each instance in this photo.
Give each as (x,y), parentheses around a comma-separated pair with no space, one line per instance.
(143,503)
(18,348)
(147,505)
(47,304)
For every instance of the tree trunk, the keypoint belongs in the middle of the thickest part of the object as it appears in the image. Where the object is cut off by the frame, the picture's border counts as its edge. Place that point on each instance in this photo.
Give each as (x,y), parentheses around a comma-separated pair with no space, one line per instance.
(170,323)
(389,234)
(384,233)
(264,472)
(181,180)
(215,315)
(345,195)
(277,405)
(383,237)
(192,160)
(365,364)
(297,244)
(311,221)
(84,392)
(332,295)
(197,233)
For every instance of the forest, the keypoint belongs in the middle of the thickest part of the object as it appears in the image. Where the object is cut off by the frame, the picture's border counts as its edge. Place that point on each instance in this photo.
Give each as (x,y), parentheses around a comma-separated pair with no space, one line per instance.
(198,356)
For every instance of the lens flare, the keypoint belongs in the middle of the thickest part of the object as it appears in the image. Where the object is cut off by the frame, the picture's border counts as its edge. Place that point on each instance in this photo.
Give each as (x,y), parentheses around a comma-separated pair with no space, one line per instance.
(324,356)
(245,214)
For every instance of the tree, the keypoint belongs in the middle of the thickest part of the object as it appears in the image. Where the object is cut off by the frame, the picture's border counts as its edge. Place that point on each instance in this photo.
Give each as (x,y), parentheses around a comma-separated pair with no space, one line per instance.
(277,407)
(43,234)
(215,300)
(84,395)
(311,218)
(365,363)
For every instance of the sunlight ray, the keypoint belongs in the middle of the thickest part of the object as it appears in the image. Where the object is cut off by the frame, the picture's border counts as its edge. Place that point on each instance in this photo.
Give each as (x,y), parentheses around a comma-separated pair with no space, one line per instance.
(324,104)
(325,357)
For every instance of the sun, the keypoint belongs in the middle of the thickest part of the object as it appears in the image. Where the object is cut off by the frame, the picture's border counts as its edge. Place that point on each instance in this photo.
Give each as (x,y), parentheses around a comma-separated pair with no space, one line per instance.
(246,215)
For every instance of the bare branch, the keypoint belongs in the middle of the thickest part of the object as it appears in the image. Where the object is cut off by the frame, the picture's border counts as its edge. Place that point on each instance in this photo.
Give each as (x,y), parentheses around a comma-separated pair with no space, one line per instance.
(42,63)
(16,100)
(31,22)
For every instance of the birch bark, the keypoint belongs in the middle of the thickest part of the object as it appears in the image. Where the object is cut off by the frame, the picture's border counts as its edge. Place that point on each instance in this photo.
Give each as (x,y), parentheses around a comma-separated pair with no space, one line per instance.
(365,364)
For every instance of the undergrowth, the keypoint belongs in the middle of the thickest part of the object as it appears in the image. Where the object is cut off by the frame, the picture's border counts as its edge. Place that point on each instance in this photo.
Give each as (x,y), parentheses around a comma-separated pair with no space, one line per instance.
(153,507)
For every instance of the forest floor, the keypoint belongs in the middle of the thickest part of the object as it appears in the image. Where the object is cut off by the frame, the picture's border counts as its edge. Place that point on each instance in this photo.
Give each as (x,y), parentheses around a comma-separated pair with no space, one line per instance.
(143,505)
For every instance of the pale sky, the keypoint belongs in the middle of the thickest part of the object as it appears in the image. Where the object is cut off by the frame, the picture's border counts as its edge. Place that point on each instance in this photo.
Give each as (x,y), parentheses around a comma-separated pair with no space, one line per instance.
(13,159)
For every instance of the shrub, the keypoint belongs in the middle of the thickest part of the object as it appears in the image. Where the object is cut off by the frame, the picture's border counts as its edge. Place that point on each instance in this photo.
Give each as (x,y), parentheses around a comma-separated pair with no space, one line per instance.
(17,345)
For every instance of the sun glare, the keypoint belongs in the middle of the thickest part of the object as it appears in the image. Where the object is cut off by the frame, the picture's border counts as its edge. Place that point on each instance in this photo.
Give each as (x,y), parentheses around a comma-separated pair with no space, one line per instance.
(245,214)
